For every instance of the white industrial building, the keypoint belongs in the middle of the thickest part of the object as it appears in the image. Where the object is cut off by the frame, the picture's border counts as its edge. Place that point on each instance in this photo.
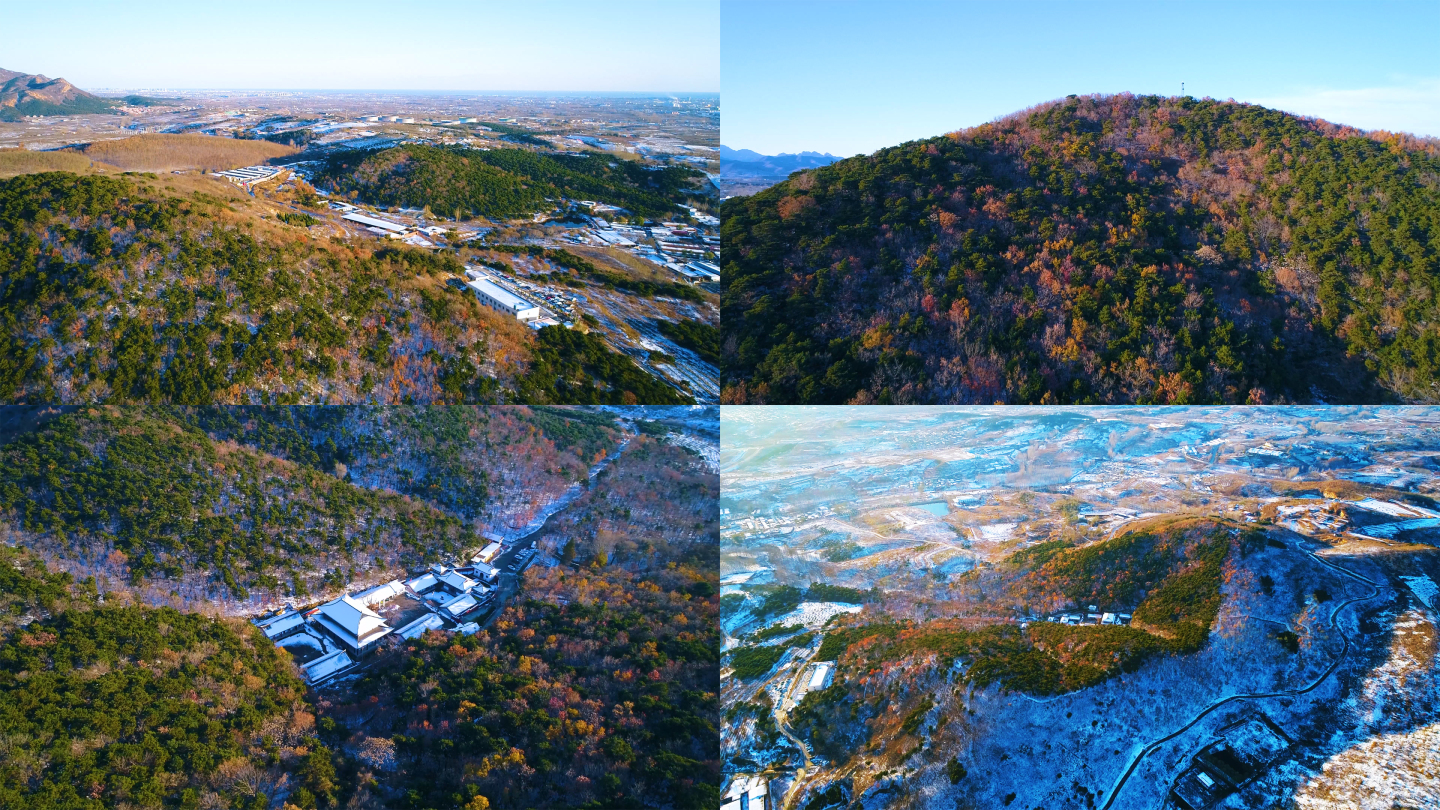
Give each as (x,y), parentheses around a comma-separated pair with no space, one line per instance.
(371,222)
(250,176)
(821,676)
(496,297)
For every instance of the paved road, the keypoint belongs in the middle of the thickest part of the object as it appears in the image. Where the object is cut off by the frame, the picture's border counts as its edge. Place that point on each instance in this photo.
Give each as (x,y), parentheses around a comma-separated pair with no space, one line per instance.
(1147,750)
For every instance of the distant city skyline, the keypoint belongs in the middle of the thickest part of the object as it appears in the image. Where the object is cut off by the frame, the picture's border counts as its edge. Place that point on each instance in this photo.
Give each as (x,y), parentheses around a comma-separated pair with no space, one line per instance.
(543,46)
(851,77)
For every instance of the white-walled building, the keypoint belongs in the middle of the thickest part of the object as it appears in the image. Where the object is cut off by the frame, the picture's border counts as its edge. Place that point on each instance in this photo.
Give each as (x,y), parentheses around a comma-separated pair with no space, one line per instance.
(485,571)
(746,792)
(821,676)
(250,176)
(498,298)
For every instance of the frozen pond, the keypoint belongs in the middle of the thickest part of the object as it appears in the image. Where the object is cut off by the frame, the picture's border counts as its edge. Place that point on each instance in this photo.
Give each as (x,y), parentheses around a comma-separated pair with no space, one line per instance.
(938,509)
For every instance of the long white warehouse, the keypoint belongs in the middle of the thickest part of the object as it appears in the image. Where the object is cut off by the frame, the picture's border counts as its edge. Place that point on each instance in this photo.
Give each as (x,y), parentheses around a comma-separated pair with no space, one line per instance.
(383,224)
(496,297)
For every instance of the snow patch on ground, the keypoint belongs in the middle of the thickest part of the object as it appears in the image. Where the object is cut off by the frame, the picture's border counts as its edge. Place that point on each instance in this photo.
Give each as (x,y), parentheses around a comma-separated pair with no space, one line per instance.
(995,532)
(814,615)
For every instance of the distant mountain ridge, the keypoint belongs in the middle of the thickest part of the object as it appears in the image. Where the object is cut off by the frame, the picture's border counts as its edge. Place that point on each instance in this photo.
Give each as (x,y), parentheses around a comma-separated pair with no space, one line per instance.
(35,94)
(748,169)
(754,163)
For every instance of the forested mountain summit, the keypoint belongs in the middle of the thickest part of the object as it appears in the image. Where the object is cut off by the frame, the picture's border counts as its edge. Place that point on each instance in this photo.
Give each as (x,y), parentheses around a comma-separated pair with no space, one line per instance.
(504,182)
(1095,249)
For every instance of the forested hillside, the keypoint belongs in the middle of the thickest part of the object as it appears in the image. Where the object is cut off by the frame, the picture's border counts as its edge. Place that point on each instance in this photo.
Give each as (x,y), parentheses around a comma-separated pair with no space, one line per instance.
(143,288)
(116,705)
(503,183)
(1169,577)
(134,495)
(598,688)
(1098,249)
(222,505)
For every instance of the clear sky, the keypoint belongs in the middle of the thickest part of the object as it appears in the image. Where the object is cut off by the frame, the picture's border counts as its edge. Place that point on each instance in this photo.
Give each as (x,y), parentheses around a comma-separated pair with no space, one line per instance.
(852,77)
(474,45)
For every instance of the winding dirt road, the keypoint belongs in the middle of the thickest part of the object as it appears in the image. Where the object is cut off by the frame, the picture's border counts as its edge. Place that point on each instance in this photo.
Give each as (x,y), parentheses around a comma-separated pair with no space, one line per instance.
(1147,750)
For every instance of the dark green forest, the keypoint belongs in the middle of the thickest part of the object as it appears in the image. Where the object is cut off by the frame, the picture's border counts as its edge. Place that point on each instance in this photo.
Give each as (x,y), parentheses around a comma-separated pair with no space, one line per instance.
(1097,249)
(116,705)
(502,183)
(701,338)
(221,502)
(578,368)
(587,269)
(165,501)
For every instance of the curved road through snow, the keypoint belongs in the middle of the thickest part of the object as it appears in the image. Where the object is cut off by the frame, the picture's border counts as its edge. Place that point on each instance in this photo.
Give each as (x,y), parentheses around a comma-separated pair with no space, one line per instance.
(1147,750)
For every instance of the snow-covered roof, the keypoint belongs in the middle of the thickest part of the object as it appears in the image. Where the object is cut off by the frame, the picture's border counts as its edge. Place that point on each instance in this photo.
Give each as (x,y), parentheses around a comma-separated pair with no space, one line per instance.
(427,622)
(468,628)
(381,593)
(457,580)
(282,624)
(376,223)
(460,604)
(484,570)
(423,582)
(352,622)
(326,666)
(488,553)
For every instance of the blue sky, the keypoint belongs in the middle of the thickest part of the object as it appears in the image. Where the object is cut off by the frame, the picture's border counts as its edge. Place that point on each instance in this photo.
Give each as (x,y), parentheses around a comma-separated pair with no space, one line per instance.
(536,45)
(852,77)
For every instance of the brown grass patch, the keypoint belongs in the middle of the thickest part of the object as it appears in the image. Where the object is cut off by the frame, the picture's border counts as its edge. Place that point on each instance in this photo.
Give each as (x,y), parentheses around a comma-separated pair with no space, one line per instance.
(23,161)
(177,152)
